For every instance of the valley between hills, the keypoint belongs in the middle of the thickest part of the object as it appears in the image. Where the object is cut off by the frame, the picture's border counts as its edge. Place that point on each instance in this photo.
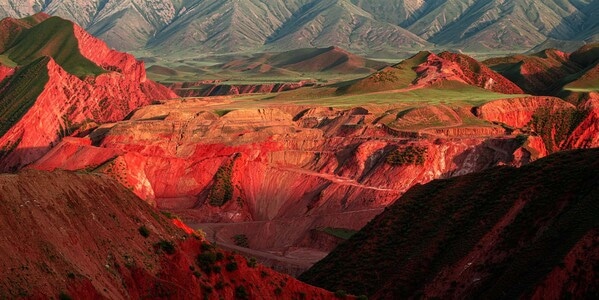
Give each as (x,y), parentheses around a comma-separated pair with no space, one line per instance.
(194,180)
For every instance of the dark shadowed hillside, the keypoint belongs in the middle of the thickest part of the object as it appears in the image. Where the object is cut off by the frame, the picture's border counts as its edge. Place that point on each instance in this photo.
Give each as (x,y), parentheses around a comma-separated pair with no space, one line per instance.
(506,233)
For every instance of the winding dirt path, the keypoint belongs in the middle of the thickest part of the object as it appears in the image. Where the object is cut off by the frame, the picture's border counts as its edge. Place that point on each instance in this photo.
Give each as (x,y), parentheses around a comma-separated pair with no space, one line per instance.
(335,179)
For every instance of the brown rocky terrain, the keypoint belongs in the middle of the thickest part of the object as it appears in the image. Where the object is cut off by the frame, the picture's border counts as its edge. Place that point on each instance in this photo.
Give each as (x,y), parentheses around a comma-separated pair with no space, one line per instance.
(85,236)
(530,232)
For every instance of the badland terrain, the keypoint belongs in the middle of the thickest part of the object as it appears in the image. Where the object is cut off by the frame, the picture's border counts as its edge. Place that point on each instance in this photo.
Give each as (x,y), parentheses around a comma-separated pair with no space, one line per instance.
(377,163)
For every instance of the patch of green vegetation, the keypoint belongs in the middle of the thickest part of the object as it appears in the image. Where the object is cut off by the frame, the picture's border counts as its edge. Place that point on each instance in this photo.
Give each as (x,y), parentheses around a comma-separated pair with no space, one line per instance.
(555,127)
(252,262)
(55,38)
(448,93)
(231,266)
(4,60)
(208,258)
(241,292)
(20,92)
(278,291)
(222,112)
(205,260)
(342,233)
(221,191)
(165,246)
(144,231)
(410,155)
(64,296)
(341,294)
(241,240)
(170,215)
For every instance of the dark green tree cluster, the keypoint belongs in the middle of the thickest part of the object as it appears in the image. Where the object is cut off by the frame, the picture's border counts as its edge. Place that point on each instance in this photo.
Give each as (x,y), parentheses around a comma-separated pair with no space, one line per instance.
(410,155)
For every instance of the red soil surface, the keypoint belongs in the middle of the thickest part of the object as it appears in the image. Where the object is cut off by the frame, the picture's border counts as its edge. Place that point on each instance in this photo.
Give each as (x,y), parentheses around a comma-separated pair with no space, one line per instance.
(80,235)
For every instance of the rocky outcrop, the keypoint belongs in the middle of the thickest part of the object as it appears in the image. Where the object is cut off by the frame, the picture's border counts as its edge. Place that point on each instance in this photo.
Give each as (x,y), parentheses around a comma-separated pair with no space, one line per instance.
(86,236)
(561,125)
(68,103)
(426,69)
(586,134)
(449,66)
(518,112)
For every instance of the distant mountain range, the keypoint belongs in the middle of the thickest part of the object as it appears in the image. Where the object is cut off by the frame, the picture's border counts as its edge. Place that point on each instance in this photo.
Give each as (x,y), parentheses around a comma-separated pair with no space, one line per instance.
(364,27)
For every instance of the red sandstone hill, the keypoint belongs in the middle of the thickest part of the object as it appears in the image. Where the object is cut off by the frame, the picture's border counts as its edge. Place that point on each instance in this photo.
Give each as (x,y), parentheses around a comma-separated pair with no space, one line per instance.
(85,236)
(505,233)
(427,69)
(57,80)
(552,72)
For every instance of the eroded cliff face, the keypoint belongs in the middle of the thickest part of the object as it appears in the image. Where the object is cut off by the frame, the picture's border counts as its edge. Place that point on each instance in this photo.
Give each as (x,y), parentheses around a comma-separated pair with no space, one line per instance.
(586,134)
(278,174)
(518,112)
(69,104)
(559,124)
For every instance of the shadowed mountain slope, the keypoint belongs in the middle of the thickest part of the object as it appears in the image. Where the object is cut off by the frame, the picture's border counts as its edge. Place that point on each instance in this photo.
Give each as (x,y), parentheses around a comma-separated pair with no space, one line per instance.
(374,27)
(503,233)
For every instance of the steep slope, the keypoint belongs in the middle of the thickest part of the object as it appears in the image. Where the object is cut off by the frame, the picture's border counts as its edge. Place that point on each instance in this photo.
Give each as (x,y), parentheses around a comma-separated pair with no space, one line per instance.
(54,38)
(340,23)
(126,25)
(559,124)
(179,27)
(487,25)
(12,28)
(571,76)
(75,235)
(533,236)
(537,74)
(223,26)
(63,81)
(20,9)
(587,80)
